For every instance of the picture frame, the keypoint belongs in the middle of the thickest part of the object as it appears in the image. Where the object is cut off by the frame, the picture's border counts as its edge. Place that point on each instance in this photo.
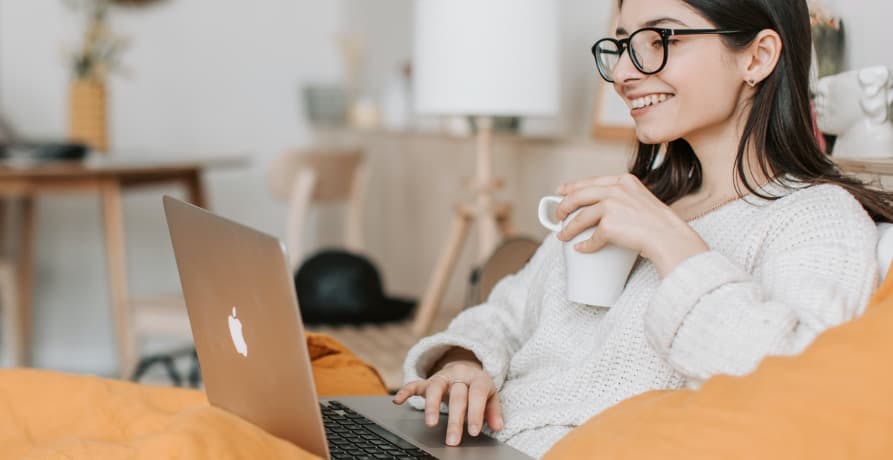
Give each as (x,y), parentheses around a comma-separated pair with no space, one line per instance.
(610,115)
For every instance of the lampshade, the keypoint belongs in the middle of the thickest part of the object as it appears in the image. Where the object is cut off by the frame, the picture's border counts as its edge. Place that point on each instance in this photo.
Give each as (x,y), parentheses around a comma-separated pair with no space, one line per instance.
(486,57)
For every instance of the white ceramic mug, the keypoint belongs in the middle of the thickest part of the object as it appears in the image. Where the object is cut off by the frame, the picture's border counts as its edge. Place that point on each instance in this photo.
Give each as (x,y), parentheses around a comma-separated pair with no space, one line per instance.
(593,279)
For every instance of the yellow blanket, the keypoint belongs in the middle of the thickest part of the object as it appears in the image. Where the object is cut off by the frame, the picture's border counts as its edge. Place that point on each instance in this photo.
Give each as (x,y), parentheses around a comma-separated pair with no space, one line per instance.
(50,415)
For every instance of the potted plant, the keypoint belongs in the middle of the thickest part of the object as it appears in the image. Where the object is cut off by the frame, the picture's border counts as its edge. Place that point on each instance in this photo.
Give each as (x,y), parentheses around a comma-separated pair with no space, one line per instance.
(97,56)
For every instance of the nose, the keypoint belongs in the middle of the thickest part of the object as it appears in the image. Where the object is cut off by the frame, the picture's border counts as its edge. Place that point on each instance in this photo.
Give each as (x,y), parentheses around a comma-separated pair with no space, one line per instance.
(625,70)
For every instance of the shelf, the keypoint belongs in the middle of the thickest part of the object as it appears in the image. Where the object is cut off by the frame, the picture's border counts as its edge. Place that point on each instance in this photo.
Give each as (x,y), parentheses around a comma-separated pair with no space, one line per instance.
(879,166)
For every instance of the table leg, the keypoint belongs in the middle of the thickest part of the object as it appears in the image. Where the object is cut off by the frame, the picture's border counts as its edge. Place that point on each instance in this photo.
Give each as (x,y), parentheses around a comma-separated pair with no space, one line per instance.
(25,270)
(3,231)
(196,189)
(116,266)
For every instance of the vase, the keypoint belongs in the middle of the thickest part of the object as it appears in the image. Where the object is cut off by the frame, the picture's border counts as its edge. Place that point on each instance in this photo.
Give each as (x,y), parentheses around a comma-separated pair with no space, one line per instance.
(87,121)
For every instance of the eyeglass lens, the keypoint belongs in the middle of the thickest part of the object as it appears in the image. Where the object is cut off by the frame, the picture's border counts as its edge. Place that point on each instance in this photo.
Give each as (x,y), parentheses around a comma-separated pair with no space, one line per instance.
(647,53)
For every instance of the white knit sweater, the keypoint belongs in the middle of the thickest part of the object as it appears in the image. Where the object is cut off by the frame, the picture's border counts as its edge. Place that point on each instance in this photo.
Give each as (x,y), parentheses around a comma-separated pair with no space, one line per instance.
(778,273)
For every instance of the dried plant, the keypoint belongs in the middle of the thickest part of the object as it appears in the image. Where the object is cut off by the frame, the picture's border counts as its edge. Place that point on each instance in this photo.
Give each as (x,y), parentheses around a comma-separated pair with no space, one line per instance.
(821,17)
(100,51)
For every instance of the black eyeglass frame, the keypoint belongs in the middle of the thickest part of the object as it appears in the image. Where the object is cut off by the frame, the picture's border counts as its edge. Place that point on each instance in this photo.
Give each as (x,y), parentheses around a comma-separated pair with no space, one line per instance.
(665,34)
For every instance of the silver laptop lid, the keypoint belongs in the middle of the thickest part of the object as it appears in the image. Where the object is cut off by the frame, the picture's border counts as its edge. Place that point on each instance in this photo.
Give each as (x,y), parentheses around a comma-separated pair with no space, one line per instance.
(246,324)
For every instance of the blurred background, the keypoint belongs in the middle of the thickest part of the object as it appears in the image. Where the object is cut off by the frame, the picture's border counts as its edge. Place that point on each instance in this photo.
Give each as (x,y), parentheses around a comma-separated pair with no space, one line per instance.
(251,81)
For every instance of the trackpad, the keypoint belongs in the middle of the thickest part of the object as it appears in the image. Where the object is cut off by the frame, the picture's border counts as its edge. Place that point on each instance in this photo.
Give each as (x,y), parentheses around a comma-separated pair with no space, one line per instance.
(424,436)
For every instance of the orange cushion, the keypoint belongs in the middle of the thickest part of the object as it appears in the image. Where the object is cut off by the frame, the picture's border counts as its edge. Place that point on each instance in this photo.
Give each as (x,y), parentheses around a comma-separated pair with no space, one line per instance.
(835,400)
(50,415)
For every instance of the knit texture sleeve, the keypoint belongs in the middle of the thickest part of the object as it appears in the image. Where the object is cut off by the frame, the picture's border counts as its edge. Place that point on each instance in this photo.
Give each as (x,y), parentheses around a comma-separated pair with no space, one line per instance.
(493,331)
(817,269)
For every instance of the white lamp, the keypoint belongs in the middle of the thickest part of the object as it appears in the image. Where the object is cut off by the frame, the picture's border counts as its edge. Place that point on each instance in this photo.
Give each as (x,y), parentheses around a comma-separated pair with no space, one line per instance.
(482,58)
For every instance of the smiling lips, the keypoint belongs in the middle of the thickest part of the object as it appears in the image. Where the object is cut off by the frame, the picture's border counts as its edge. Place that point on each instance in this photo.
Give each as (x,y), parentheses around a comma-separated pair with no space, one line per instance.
(649,100)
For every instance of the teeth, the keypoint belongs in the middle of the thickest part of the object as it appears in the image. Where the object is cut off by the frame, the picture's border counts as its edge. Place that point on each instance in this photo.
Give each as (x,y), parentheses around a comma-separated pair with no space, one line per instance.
(649,100)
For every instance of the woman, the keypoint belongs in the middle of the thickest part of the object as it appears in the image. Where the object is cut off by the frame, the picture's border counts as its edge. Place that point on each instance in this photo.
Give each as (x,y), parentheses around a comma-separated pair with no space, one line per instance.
(751,242)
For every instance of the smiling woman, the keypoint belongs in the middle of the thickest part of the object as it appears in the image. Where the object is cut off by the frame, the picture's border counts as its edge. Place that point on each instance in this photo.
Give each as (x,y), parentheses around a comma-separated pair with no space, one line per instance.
(750,241)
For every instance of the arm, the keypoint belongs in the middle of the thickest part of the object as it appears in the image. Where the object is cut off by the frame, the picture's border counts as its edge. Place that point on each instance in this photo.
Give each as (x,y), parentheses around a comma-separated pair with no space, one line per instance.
(489,333)
(817,270)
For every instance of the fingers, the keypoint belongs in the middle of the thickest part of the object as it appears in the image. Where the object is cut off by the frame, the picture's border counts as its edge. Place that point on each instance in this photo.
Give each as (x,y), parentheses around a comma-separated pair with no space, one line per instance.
(415,388)
(571,187)
(493,413)
(478,393)
(458,406)
(580,198)
(595,242)
(433,396)
(587,218)
(474,402)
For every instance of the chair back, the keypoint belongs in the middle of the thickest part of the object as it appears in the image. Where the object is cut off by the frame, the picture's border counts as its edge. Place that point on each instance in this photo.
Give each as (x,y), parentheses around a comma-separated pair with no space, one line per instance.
(319,176)
(508,258)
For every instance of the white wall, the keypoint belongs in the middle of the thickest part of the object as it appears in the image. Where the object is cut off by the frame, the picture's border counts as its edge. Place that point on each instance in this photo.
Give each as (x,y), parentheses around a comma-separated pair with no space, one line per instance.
(867,28)
(208,76)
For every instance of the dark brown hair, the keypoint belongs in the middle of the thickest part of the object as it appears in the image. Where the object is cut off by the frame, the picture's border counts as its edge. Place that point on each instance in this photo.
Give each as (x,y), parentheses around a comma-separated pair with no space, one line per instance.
(779,126)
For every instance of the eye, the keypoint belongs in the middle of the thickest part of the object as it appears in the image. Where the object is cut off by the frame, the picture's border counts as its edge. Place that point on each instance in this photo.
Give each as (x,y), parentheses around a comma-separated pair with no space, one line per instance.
(673,41)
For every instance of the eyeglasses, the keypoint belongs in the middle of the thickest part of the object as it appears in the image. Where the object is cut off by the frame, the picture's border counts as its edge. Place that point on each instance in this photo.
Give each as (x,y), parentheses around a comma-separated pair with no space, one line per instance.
(647,49)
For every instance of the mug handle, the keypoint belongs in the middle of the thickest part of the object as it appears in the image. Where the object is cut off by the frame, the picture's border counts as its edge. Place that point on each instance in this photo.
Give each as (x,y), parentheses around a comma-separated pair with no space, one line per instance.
(543,213)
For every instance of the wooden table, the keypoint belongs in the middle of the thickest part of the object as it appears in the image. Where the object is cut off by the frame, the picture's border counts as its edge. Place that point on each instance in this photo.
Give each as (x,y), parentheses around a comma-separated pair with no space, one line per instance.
(107,176)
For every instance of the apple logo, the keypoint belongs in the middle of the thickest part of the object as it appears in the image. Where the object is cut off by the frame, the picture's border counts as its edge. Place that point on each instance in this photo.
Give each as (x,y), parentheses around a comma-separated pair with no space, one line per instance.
(235,331)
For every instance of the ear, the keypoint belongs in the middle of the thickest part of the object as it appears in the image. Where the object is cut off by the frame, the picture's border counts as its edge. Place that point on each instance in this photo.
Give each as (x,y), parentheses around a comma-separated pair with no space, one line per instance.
(759,59)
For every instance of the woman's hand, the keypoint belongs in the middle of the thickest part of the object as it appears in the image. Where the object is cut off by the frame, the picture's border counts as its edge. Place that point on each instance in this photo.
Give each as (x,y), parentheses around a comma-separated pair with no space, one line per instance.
(627,214)
(472,396)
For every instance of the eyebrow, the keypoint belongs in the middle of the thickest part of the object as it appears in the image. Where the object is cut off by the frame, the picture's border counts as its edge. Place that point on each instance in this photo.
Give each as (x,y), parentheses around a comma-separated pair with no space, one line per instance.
(653,23)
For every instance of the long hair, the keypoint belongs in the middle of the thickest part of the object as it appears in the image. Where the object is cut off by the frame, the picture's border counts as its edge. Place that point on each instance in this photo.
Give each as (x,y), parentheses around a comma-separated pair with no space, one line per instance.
(779,127)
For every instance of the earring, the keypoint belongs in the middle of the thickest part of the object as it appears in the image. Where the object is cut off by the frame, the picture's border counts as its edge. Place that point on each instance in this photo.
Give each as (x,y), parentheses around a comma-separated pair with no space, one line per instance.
(751,83)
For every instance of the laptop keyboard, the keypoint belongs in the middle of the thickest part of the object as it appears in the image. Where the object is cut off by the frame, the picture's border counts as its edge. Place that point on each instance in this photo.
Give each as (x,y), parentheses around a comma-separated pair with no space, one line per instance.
(353,436)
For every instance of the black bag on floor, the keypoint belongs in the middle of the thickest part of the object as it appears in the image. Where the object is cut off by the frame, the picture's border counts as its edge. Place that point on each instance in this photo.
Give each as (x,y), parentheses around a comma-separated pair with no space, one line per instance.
(339,287)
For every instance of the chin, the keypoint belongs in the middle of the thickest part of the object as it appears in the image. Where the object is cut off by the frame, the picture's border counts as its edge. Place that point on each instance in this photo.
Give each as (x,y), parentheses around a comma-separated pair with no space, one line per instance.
(650,136)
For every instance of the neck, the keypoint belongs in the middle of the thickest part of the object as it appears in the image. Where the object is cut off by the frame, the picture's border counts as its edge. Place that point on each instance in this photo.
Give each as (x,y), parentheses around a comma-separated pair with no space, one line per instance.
(716,148)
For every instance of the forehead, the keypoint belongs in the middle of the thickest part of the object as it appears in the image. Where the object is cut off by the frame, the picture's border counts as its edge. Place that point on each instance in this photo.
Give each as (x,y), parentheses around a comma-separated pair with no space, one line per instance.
(635,14)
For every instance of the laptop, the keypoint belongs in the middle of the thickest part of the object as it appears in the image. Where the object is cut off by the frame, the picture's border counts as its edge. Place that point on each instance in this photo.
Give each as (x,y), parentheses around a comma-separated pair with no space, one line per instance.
(254,361)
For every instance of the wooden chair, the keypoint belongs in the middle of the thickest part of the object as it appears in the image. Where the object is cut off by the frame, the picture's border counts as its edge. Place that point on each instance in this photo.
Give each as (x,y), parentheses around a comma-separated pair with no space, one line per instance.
(506,259)
(319,176)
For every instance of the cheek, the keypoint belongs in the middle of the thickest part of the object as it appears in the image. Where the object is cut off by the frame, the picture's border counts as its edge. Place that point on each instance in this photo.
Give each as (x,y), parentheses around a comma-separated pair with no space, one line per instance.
(706,95)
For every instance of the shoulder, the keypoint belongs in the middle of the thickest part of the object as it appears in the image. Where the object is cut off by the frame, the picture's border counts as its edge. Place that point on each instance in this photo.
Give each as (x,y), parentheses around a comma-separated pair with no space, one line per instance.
(824,201)
(824,212)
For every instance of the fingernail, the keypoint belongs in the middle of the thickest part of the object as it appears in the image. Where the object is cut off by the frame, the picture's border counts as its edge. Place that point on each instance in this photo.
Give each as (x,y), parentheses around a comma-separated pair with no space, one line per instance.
(430,419)
(578,246)
(473,430)
(452,439)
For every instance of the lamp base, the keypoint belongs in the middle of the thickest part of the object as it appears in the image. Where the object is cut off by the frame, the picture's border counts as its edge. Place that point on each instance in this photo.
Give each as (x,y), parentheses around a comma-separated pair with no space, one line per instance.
(492,217)
(465,215)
